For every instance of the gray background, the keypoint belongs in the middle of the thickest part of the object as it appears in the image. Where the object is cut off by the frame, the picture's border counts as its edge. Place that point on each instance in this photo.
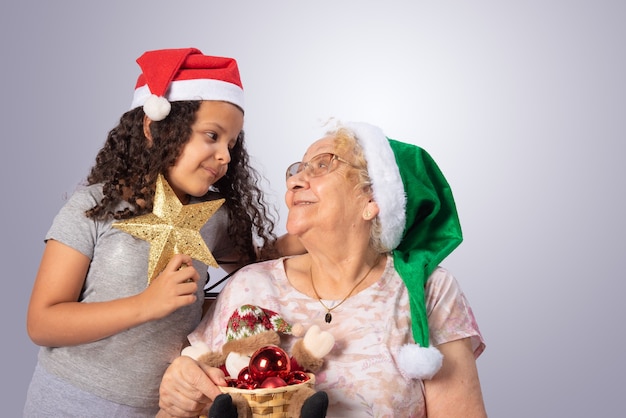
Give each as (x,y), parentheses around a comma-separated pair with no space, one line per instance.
(521,103)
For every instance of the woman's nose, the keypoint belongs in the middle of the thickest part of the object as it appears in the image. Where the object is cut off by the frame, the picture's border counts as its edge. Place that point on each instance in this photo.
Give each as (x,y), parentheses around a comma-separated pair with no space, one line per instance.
(297,181)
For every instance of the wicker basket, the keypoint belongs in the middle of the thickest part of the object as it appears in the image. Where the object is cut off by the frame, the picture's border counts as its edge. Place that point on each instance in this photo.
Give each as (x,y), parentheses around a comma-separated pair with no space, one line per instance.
(270,402)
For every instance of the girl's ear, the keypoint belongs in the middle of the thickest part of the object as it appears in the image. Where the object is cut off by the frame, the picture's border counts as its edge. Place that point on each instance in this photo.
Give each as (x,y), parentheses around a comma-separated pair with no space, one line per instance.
(146,129)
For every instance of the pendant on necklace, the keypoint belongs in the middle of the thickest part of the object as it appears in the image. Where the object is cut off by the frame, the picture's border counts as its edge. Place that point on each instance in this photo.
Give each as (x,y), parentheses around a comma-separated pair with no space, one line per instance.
(328,317)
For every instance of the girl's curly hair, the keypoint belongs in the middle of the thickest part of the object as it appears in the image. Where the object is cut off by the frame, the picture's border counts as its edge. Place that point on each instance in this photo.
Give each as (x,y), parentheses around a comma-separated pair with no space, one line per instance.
(128,169)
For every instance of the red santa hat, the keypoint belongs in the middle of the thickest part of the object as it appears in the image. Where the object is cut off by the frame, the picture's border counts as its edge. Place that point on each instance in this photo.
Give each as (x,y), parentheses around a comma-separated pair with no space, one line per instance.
(170,75)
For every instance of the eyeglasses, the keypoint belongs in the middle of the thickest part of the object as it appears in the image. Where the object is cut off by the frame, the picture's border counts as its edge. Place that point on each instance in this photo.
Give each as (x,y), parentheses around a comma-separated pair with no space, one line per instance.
(317,166)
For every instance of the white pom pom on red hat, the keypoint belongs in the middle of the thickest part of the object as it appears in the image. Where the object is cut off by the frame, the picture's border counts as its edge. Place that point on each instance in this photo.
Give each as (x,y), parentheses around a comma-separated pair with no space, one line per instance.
(156,108)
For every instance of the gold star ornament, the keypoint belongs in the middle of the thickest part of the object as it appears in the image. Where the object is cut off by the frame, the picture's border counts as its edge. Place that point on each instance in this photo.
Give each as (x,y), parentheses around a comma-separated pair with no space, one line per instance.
(172,228)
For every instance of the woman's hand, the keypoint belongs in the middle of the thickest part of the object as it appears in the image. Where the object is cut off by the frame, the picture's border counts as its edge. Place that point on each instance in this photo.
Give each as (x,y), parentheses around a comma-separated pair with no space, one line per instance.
(188,388)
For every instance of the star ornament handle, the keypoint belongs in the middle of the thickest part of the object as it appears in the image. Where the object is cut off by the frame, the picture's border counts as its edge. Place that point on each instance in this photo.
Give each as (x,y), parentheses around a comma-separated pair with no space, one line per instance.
(172,228)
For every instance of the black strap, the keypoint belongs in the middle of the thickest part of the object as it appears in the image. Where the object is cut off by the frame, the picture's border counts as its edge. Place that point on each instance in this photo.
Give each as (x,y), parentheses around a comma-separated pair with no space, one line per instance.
(207,290)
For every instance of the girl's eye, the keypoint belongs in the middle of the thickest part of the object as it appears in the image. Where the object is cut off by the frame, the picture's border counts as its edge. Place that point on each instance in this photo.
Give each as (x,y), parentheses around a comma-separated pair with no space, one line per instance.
(212,135)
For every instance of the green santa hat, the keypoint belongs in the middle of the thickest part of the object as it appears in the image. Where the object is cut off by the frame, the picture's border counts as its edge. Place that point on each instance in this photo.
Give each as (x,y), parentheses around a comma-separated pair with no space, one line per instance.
(420,226)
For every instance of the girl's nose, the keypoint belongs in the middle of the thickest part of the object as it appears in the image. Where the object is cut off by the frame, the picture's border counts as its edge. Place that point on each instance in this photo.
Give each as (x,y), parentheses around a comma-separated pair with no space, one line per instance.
(223,153)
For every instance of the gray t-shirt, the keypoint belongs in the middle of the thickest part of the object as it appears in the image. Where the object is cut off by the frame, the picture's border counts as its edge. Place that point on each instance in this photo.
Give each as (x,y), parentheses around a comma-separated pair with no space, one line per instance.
(127,367)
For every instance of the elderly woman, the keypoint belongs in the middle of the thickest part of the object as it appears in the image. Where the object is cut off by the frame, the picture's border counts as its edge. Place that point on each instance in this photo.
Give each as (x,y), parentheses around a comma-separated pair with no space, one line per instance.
(376,217)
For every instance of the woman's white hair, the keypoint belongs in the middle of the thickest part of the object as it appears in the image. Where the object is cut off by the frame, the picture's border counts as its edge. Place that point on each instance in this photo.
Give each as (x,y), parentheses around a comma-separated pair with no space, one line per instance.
(384,174)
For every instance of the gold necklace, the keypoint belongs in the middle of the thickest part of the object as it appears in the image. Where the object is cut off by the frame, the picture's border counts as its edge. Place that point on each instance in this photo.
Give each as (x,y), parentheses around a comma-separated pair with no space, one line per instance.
(329,317)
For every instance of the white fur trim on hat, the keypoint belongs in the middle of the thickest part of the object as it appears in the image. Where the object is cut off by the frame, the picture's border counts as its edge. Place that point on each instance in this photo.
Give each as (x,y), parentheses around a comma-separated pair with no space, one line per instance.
(387,184)
(199,89)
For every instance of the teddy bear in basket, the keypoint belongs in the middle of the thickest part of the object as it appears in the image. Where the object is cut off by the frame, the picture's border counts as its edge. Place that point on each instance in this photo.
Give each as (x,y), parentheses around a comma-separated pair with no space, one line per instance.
(253,342)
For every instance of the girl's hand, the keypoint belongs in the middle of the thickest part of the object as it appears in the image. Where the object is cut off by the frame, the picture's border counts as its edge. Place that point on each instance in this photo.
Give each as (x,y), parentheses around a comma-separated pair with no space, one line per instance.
(173,288)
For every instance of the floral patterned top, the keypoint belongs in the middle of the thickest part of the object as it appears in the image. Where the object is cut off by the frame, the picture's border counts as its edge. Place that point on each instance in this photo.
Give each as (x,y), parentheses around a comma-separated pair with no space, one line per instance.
(360,374)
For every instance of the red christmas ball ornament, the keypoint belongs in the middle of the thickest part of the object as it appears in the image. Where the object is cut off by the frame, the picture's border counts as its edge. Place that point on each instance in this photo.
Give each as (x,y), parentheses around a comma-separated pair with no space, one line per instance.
(269,361)
(245,376)
(296,377)
(247,385)
(273,382)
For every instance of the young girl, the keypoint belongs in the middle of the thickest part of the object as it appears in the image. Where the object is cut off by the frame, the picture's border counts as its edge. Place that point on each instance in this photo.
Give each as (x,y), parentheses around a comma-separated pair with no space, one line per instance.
(106,337)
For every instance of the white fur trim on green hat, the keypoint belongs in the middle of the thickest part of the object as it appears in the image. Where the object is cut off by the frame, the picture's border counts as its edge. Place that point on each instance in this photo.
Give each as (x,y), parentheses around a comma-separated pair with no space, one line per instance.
(387,184)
